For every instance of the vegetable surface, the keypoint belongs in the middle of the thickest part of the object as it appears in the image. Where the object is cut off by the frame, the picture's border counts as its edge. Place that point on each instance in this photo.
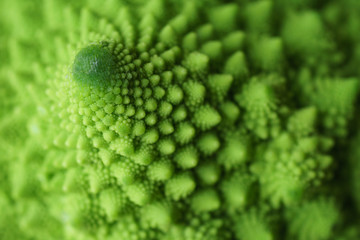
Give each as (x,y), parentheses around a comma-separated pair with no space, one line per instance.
(179,119)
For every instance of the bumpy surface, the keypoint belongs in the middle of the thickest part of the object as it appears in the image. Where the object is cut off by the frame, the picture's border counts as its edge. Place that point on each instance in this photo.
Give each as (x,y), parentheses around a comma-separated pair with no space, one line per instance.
(179,119)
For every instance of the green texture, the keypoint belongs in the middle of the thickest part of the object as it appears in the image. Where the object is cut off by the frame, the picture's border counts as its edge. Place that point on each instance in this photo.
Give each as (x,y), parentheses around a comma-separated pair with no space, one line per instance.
(93,65)
(179,120)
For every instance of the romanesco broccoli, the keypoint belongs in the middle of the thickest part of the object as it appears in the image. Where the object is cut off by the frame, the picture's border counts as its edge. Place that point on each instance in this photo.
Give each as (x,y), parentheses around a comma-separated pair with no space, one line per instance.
(179,120)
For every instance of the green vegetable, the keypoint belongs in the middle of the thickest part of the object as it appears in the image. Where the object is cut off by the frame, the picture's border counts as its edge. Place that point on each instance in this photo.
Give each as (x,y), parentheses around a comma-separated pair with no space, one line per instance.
(179,119)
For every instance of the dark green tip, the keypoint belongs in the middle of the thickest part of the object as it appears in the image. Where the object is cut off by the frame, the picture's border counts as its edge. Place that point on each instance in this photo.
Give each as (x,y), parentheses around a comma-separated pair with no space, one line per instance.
(93,65)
